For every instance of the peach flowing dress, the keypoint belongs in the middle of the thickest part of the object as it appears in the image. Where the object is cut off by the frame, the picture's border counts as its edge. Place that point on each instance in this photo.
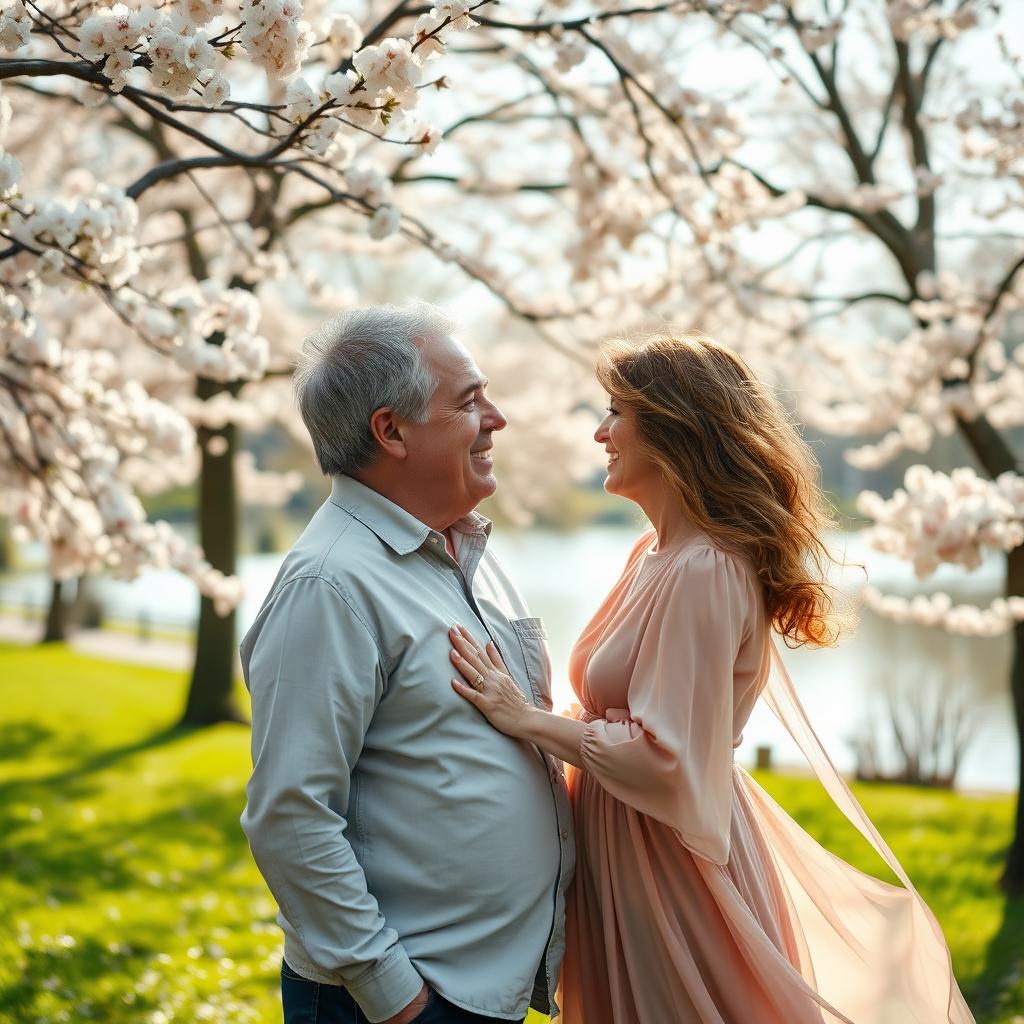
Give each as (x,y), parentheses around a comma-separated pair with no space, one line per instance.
(697,898)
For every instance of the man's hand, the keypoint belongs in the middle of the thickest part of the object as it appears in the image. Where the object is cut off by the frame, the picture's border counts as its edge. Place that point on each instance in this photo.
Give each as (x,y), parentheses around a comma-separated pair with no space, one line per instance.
(413,1010)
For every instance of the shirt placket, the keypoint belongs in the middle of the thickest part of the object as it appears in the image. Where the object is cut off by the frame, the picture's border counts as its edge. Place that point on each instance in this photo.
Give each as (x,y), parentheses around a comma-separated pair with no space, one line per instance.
(477,543)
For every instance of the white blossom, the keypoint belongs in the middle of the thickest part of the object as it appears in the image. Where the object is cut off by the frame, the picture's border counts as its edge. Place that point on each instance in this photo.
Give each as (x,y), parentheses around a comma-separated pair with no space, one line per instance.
(428,136)
(274,35)
(178,57)
(386,220)
(390,65)
(15,27)
(938,610)
(339,85)
(301,100)
(10,173)
(216,91)
(457,13)
(199,12)
(116,68)
(260,487)
(366,183)
(570,51)
(428,36)
(108,32)
(937,518)
(344,36)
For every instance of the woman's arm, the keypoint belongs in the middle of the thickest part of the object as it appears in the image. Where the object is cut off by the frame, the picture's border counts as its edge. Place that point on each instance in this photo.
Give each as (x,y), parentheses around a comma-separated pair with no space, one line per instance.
(487,685)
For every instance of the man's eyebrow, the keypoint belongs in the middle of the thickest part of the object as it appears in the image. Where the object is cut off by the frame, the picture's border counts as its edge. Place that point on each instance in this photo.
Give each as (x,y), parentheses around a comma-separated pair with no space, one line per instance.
(477,385)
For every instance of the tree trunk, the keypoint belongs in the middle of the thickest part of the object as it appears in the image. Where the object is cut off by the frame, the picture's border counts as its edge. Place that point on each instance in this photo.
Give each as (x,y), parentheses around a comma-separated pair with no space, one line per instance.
(995,456)
(210,695)
(56,629)
(6,546)
(1013,873)
(87,609)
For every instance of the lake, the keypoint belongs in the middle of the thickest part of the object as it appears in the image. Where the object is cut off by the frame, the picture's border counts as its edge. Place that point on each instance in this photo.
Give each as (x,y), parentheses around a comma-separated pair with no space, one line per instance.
(564,576)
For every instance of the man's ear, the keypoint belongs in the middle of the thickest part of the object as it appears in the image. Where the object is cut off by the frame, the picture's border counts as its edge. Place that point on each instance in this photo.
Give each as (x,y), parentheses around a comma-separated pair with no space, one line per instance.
(387,429)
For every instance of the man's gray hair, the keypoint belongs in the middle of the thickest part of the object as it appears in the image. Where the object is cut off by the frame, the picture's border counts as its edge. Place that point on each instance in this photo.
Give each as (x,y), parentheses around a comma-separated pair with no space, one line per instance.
(359,361)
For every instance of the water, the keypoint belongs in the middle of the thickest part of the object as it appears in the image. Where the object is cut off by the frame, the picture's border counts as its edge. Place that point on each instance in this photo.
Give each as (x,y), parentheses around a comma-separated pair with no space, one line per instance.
(564,576)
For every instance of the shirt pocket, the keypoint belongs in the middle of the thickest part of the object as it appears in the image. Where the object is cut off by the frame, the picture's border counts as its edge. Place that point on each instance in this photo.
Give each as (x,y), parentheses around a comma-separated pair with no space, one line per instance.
(532,639)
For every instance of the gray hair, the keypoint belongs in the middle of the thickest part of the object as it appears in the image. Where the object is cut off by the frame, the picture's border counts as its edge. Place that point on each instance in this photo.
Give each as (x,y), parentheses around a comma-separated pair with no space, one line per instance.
(359,361)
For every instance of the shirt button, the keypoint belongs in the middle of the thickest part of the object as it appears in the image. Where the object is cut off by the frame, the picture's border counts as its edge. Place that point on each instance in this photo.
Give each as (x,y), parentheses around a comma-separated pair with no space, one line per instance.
(565,835)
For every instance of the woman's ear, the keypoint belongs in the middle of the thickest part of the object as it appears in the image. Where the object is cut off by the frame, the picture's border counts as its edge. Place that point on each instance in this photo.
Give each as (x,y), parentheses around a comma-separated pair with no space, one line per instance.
(387,429)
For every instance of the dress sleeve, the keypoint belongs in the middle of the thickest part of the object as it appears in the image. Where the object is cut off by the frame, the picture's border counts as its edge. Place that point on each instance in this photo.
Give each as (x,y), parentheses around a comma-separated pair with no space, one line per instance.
(669,754)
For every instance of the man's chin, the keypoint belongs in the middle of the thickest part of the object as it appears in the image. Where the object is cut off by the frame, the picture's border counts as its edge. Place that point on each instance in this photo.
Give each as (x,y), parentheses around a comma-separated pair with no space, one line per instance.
(485,486)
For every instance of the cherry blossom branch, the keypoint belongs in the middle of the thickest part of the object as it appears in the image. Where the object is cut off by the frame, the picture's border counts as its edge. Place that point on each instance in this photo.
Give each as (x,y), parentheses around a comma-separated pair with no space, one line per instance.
(886,229)
(549,27)
(925,226)
(843,300)
(626,75)
(884,125)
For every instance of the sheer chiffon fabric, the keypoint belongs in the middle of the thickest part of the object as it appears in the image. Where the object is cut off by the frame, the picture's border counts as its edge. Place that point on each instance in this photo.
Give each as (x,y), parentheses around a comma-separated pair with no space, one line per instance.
(697,898)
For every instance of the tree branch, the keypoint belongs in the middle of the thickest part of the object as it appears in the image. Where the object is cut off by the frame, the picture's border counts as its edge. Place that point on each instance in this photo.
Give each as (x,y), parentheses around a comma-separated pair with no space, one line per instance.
(884,227)
(547,27)
(33,68)
(924,229)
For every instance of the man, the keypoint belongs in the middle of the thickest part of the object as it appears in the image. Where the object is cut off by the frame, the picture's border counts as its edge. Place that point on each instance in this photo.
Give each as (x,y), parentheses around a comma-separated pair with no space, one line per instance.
(419,858)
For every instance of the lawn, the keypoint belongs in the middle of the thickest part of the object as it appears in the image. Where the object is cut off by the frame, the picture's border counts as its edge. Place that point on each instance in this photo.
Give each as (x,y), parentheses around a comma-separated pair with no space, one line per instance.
(130,898)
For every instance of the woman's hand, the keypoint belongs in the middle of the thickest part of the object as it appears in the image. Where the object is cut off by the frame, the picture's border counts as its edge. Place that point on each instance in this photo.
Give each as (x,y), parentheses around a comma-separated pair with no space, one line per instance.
(486,684)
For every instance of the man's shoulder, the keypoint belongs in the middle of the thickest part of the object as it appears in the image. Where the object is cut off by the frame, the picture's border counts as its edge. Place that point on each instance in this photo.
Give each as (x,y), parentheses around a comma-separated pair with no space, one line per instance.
(335,547)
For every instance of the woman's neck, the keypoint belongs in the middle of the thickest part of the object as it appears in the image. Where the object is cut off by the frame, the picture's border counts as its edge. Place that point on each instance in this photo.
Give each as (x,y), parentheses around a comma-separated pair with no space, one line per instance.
(671,523)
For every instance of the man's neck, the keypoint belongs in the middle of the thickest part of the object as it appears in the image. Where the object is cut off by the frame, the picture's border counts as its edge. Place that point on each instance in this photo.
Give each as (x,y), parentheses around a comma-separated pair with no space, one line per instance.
(407,498)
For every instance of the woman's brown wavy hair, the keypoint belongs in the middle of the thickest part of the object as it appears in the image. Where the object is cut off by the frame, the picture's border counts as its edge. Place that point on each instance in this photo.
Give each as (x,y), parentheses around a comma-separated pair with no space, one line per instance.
(740,468)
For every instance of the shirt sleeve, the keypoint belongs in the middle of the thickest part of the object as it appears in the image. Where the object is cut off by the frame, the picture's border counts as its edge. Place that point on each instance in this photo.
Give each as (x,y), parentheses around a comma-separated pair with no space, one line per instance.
(315,677)
(669,754)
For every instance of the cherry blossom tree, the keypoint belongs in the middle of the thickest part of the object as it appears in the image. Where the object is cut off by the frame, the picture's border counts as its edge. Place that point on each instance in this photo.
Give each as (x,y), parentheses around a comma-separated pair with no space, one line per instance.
(114,263)
(152,222)
(833,188)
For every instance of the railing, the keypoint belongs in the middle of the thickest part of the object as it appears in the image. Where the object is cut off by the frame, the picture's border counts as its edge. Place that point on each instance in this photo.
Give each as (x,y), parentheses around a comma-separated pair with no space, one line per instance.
(26,602)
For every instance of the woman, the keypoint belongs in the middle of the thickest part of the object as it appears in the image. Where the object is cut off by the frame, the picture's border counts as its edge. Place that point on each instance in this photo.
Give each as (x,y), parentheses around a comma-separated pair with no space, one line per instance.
(697,899)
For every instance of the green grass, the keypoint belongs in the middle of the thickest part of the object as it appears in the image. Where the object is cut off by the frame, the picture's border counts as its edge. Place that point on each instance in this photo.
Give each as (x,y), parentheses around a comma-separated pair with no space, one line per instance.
(129,896)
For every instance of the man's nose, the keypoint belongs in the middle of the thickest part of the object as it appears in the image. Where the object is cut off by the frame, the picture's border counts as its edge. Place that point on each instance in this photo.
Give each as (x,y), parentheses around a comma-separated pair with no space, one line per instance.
(493,418)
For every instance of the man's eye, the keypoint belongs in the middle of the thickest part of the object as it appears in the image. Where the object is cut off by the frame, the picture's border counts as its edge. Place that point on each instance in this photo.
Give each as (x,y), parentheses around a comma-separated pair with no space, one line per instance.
(471,404)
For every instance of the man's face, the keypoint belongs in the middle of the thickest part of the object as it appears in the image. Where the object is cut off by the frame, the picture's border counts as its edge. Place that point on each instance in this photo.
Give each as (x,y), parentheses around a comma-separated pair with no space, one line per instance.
(449,456)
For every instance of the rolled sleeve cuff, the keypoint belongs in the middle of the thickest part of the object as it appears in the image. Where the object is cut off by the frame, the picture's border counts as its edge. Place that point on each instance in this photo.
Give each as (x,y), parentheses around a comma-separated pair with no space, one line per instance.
(387,987)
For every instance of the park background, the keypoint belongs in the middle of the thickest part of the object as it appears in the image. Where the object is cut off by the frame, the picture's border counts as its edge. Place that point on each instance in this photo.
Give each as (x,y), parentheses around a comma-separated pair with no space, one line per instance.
(832,187)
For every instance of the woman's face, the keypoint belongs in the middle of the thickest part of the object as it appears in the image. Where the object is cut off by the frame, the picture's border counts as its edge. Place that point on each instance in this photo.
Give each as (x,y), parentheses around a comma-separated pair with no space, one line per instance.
(631,473)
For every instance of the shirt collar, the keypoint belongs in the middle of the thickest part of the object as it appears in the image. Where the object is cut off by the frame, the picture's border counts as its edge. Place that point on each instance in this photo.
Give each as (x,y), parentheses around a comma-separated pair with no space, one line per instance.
(399,529)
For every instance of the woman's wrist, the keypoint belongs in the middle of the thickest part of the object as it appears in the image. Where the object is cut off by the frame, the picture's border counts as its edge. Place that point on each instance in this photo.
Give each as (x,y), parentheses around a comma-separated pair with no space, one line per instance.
(529,722)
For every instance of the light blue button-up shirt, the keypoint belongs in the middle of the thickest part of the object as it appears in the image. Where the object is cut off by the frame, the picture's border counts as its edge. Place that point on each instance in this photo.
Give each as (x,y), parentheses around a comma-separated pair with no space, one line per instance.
(404,839)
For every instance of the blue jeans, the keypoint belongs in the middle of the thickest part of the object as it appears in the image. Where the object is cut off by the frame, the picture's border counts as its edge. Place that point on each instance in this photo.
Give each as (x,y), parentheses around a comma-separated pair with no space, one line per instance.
(311,1002)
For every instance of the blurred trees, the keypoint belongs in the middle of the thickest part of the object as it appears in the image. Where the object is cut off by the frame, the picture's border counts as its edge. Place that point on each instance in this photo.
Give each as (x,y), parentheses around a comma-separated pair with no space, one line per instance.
(832,188)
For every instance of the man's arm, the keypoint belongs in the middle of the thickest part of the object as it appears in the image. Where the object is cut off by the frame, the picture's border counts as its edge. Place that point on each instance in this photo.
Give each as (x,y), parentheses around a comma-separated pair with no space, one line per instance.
(315,677)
